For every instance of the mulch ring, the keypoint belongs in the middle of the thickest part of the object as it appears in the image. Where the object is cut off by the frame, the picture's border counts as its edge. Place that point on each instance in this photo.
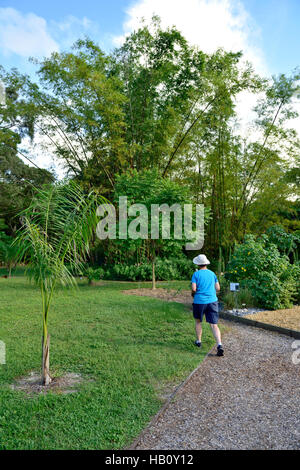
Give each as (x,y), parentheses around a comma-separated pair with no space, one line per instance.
(32,385)
(171,295)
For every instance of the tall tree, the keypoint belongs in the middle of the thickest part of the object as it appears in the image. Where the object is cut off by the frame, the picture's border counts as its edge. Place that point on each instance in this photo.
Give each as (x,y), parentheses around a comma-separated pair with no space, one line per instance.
(79,112)
(17,179)
(159,103)
(245,182)
(171,89)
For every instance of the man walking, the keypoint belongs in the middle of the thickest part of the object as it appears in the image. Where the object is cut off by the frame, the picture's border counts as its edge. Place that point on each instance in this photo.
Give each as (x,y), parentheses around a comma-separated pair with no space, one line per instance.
(205,285)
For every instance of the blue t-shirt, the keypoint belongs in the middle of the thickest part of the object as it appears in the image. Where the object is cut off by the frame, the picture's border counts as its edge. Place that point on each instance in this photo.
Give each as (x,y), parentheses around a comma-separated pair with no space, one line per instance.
(205,281)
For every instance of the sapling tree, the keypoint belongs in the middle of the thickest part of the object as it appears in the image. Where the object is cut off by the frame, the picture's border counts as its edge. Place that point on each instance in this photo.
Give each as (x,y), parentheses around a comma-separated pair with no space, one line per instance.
(54,240)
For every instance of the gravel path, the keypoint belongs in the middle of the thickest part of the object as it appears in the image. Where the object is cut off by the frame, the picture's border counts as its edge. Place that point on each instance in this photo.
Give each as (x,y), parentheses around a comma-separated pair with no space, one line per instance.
(248,399)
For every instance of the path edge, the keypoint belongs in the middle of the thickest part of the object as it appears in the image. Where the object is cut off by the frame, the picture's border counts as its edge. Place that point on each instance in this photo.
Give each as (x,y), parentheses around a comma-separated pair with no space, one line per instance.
(167,403)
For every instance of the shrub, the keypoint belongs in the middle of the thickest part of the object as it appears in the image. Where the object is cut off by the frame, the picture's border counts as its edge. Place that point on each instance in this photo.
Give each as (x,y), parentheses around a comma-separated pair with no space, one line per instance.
(286,242)
(94,274)
(165,270)
(258,265)
(224,286)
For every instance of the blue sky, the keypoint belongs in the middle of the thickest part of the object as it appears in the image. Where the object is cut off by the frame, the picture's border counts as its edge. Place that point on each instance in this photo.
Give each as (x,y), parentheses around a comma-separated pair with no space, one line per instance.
(267,30)
(279,21)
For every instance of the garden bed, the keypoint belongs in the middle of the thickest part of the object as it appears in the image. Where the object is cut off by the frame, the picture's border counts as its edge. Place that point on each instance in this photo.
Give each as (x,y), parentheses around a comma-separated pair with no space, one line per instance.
(285,318)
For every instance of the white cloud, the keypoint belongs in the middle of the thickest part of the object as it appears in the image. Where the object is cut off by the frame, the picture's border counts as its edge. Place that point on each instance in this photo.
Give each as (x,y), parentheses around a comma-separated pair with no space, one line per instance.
(25,34)
(70,21)
(209,24)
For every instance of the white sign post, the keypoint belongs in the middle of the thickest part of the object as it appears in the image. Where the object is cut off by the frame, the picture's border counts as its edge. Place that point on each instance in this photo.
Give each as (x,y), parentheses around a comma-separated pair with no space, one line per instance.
(234,287)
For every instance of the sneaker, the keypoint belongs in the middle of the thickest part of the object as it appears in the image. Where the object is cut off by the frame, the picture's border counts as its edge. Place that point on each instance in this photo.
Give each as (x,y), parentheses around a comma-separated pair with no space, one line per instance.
(220,350)
(198,343)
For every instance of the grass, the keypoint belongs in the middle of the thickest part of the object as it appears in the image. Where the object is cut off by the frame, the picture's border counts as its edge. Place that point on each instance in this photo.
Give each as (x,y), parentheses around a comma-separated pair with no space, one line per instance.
(127,347)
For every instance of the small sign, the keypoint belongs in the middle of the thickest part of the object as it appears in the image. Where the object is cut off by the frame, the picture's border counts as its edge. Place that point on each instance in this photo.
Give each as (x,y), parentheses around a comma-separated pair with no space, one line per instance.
(234,286)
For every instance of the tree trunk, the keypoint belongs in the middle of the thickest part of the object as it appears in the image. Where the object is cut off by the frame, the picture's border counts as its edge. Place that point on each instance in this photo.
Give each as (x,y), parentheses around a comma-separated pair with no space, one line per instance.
(46,379)
(220,262)
(9,268)
(153,275)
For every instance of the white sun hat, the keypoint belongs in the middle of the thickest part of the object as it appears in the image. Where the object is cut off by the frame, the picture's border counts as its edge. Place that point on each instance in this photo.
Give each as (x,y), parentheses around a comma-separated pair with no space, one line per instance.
(201,259)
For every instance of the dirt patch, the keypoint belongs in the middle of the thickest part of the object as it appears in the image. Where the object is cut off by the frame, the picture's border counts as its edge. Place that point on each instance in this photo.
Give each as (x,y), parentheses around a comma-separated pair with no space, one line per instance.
(286,318)
(171,295)
(31,384)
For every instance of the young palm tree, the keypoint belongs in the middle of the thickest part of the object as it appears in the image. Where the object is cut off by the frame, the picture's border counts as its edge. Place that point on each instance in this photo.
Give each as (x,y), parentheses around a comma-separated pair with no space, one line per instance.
(54,240)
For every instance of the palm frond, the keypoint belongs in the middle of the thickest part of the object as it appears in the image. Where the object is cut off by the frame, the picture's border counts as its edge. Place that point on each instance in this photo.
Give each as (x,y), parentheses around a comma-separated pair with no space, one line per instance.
(56,232)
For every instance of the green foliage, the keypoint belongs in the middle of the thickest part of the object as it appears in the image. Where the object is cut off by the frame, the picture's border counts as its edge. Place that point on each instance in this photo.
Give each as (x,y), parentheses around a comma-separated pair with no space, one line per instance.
(8,251)
(240,299)
(293,280)
(93,274)
(286,242)
(17,179)
(258,265)
(158,103)
(56,232)
(148,188)
(165,270)
(88,137)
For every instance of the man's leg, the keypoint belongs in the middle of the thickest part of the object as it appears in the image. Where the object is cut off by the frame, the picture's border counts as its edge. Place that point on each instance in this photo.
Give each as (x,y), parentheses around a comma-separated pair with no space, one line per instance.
(212,317)
(198,328)
(216,333)
(198,315)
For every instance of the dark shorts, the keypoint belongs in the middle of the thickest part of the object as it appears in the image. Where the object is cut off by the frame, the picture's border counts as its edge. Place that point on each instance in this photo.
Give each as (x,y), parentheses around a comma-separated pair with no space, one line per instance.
(211,312)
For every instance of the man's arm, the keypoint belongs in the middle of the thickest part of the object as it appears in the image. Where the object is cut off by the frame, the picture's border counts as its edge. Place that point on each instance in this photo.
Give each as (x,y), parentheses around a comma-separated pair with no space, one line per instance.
(217,286)
(194,288)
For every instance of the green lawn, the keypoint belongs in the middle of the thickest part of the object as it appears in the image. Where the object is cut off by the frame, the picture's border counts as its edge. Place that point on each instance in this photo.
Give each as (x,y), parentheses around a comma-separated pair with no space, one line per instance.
(129,346)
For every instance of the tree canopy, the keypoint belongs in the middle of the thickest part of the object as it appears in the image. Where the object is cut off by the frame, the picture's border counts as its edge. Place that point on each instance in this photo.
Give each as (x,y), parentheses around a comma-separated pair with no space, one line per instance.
(158,103)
